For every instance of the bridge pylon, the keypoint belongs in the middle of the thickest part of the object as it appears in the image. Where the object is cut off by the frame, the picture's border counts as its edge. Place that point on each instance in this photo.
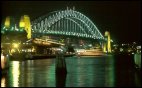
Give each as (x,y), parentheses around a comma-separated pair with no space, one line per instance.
(26,24)
(107,45)
(7,22)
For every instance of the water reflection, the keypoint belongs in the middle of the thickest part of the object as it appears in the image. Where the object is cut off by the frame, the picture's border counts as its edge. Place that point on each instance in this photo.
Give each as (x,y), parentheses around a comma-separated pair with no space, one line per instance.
(3,82)
(107,71)
(15,73)
(39,73)
(90,72)
(137,59)
(61,80)
(110,71)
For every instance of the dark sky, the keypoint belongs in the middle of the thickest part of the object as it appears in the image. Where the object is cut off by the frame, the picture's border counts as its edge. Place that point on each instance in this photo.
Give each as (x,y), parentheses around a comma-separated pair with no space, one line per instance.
(121,18)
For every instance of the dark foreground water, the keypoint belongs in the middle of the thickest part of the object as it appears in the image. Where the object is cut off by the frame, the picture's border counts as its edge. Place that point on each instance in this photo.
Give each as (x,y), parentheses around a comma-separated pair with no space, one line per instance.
(106,71)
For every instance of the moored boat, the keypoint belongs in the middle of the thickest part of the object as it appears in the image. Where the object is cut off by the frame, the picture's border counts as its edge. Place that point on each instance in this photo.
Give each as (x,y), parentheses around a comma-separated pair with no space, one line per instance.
(91,52)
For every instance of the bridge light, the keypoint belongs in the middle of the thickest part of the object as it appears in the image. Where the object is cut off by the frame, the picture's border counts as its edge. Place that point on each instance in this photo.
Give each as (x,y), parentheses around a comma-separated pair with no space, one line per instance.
(4,27)
(15,45)
(12,28)
(111,40)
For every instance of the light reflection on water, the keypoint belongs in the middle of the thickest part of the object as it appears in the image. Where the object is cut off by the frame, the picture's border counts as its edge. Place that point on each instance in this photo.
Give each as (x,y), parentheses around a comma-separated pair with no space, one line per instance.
(15,73)
(90,72)
(137,59)
(3,83)
(81,72)
(38,73)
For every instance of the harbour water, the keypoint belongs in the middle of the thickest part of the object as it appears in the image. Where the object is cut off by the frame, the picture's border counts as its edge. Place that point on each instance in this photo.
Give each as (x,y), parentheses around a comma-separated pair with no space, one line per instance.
(96,71)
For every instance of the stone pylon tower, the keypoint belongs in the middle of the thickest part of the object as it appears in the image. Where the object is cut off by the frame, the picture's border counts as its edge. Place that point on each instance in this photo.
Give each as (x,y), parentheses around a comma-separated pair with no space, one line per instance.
(107,45)
(25,23)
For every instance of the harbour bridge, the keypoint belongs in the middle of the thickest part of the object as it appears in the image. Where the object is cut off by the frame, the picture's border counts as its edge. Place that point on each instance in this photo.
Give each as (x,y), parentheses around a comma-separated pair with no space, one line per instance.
(67,23)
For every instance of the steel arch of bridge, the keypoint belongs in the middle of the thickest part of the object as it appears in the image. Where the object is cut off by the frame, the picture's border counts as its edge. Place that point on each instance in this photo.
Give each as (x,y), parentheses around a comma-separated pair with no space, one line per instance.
(66,22)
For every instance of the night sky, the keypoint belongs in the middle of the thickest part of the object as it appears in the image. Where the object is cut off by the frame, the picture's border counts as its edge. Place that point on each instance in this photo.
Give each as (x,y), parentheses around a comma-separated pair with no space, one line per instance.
(121,18)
